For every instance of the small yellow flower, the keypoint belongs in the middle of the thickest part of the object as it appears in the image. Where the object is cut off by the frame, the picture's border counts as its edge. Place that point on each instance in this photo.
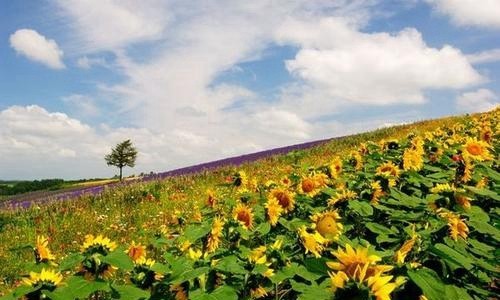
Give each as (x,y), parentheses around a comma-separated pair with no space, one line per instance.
(194,254)
(258,292)
(258,255)
(412,160)
(401,254)
(136,251)
(42,251)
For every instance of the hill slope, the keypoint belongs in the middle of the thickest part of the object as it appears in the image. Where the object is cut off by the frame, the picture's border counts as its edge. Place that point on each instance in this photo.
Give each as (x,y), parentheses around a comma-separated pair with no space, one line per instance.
(412,213)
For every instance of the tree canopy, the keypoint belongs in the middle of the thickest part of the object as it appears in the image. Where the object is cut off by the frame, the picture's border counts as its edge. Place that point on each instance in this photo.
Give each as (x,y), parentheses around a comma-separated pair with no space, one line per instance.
(123,155)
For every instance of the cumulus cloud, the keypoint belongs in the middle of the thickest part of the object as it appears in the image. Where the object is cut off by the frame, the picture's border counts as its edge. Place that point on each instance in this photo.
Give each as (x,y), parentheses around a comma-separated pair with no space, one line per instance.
(36,47)
(487,56)
(484,13)
(477,101)
(372,68)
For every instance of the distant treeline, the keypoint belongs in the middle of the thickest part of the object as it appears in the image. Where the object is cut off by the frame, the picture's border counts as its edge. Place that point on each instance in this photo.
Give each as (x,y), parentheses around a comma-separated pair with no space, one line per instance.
(30,186)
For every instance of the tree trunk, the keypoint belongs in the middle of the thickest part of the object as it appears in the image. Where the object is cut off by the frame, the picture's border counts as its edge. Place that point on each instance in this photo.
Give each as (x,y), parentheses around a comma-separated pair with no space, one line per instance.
(121,173)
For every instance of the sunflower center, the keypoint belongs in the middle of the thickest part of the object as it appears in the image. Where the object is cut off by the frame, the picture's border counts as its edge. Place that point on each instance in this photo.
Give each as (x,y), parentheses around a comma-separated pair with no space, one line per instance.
(283,199)
(474,149)
(307,185)
(326,226)
(244,217)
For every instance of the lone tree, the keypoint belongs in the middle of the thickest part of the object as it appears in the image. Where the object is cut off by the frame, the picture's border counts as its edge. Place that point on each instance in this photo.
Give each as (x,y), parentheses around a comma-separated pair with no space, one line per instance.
(123,155)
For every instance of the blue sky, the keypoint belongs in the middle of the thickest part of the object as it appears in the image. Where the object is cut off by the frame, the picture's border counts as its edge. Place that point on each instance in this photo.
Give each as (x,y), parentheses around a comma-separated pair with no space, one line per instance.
(193,81)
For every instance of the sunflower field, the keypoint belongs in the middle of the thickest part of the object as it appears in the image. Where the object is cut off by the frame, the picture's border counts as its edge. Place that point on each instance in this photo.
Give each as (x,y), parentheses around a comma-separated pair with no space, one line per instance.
(412,217)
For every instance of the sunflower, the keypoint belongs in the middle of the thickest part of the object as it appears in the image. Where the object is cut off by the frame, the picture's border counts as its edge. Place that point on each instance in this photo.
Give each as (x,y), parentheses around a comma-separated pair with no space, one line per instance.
(381,287)
(46,278)
(100,243)
(215,235)
(285,198)
(258,292)
(312,242)
(456,226)
(211,200)
(42,251)
(486,134)
(327,224)
(274,210)
(145,262)
(377,192)
(388,169)
(342,195)
(401,254)
(335,167)
(136,251)
(357,263)
(463,201)
(240,179)
(356,160)
(179,292)
(244,215)
(412,160)
(258,255)
(477,150)
(338,279)
(308,186)
(443,188)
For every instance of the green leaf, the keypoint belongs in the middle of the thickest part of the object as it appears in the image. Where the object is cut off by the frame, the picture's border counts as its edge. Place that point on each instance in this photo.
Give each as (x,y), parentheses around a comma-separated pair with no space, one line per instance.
(78,287)
(481,249)
(317,265)
(453,292)
(119,259)
(402,199)
(485,228)
(230,264)
(475,213)
(429,282)
(19,292)
(195,232)
(221,293)
(190,275)
(70,261)
(263,228)
(312,291)
(452,257)
(130,292)
(380,229)
(362,208)
(484,192)
(160,268)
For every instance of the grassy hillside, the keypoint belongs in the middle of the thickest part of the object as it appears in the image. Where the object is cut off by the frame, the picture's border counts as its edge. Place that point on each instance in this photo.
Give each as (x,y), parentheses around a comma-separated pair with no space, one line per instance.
(418,203)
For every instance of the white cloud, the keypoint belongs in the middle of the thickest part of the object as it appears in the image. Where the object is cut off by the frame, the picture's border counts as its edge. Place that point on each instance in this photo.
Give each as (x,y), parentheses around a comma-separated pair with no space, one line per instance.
(487,56)
(477,101)
(484,13)
(107,25)
(36,47)
(345,64)
(86,62)
(81,105)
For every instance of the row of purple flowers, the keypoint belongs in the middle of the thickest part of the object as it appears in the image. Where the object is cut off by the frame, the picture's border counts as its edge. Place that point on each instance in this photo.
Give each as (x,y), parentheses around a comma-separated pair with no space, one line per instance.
(26,200)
